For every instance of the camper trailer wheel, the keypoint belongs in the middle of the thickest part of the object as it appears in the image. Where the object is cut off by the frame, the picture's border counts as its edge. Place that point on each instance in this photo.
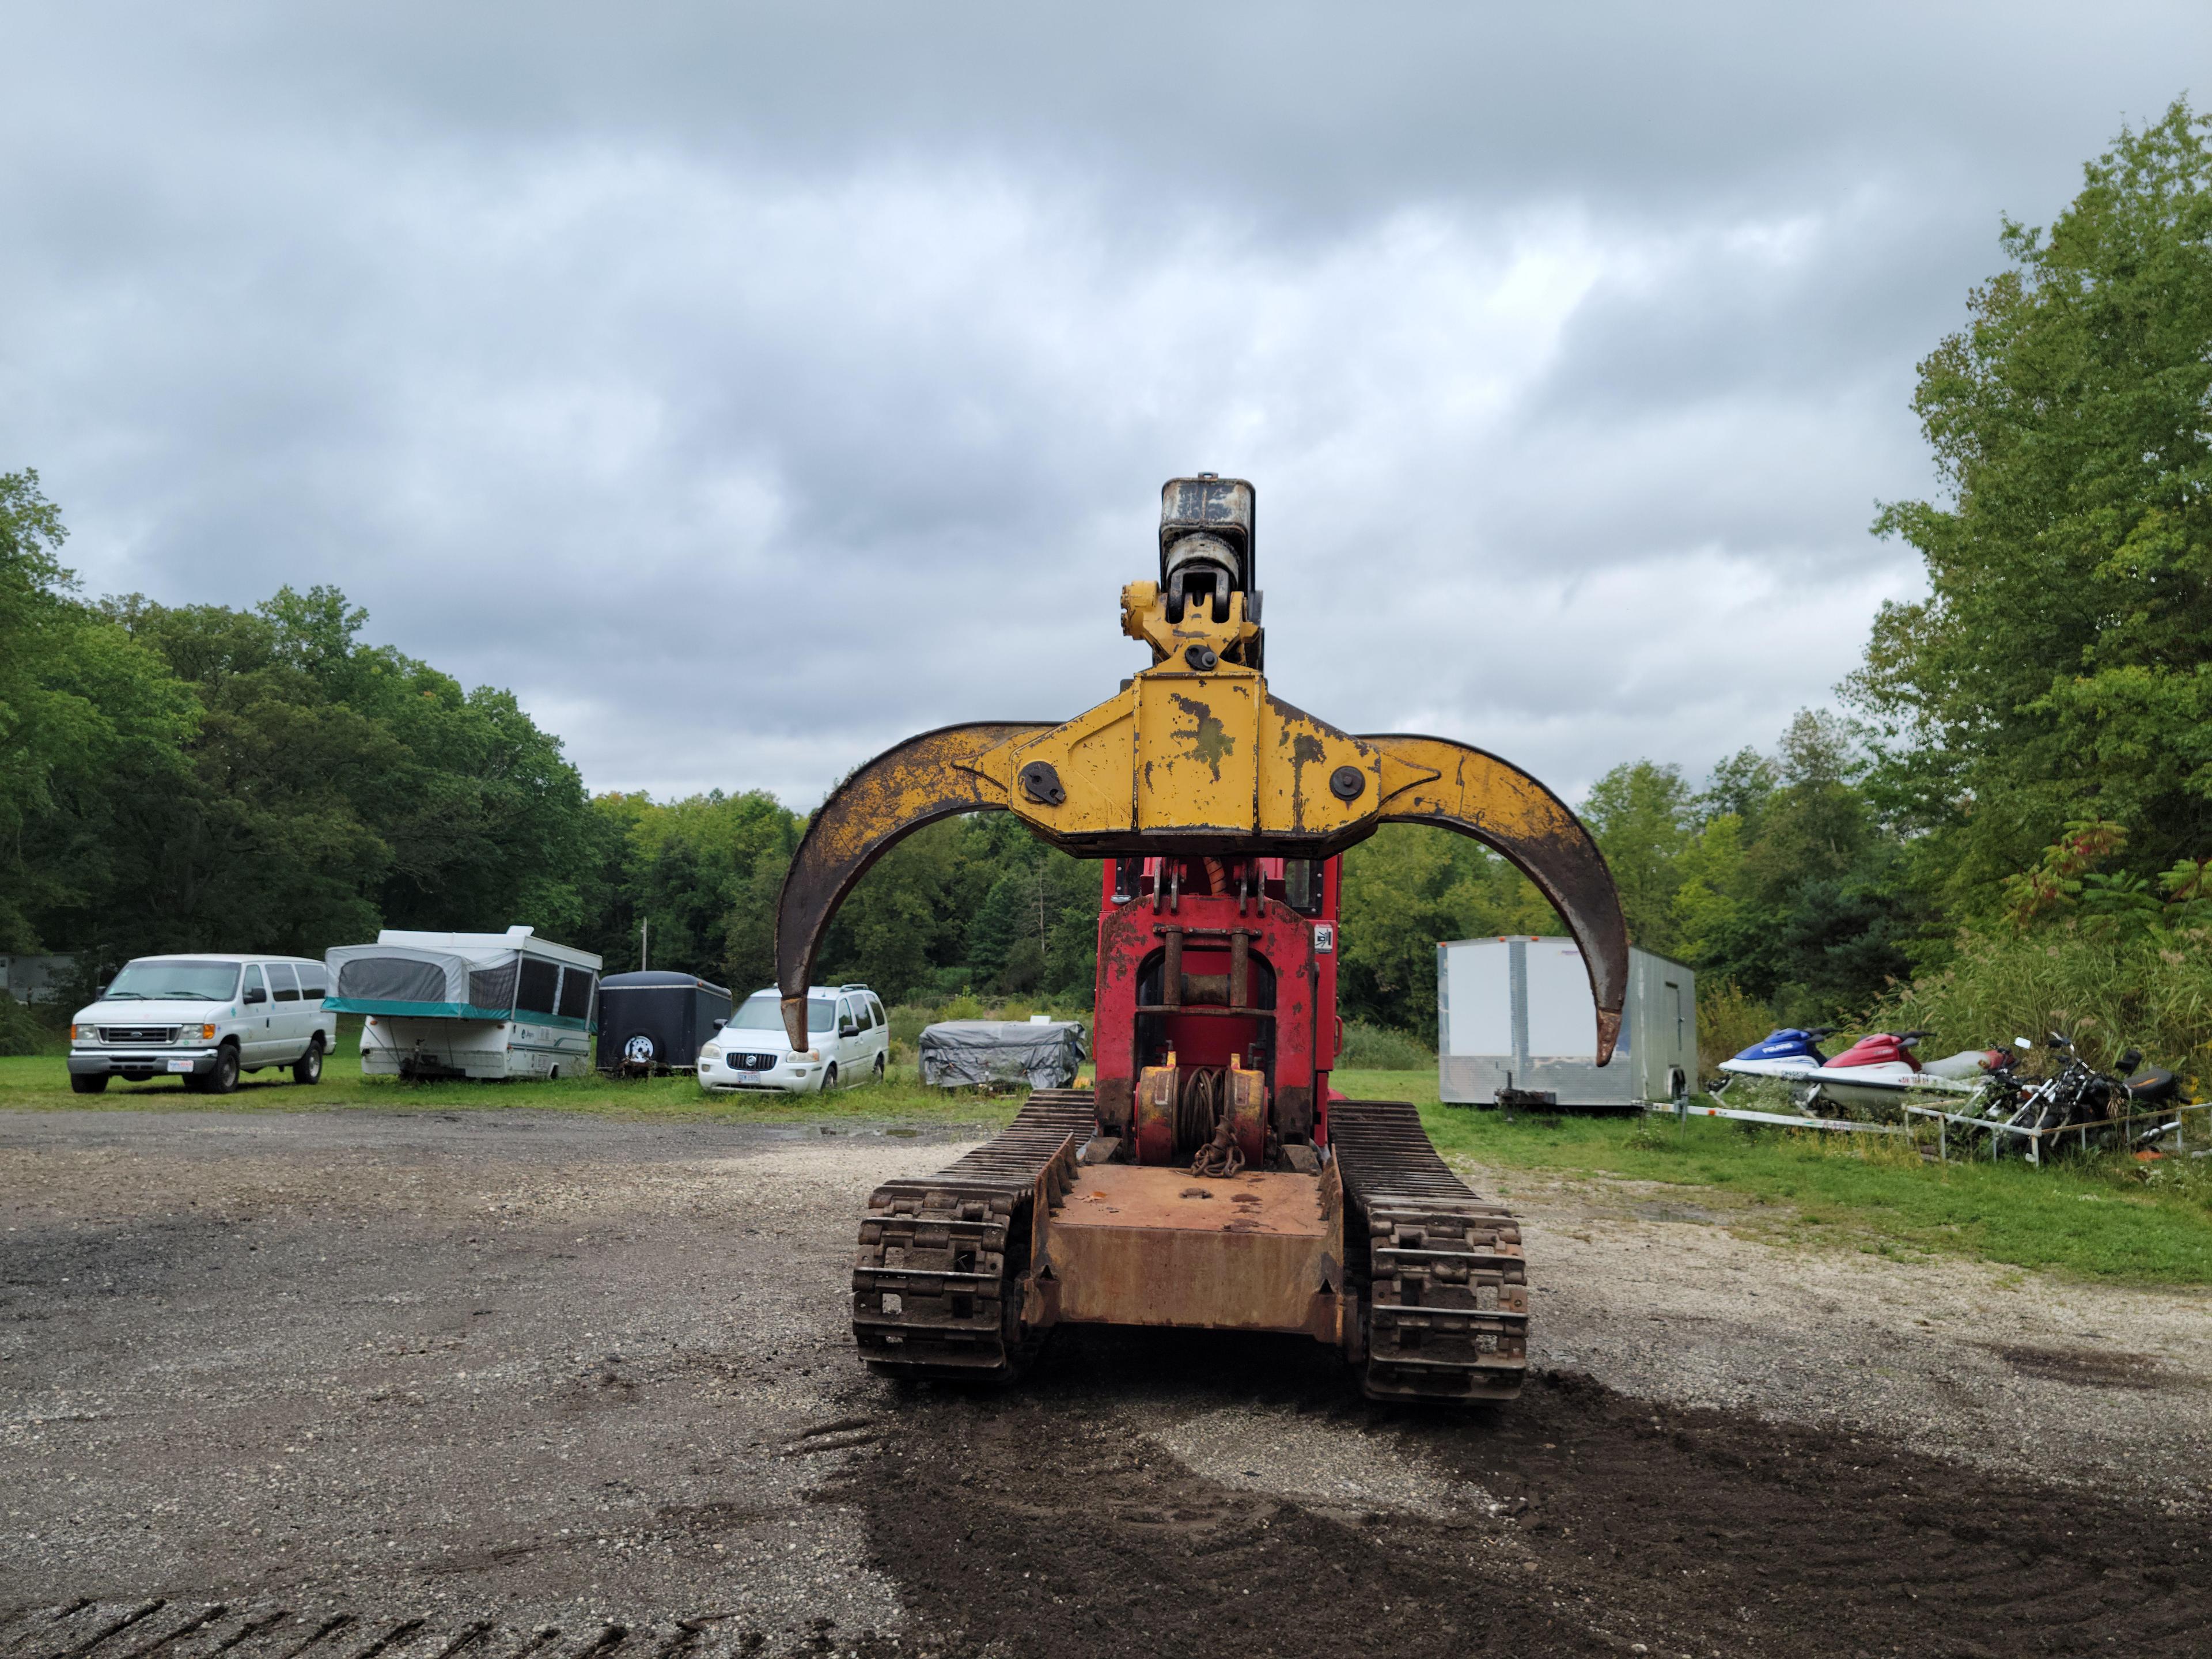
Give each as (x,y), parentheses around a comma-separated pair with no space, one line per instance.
(308,1068)
(224,1078)
(829,1077)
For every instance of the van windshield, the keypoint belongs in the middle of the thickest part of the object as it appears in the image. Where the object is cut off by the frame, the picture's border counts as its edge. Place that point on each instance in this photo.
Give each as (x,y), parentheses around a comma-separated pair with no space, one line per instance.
(180,981)
(763,1012)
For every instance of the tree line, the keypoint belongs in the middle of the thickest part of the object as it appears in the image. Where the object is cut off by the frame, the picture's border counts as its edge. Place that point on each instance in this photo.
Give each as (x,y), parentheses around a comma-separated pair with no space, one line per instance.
(2020,773)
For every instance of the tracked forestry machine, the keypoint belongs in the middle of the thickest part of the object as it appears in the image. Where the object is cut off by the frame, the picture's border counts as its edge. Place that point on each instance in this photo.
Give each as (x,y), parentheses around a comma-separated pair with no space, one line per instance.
(1213,1179)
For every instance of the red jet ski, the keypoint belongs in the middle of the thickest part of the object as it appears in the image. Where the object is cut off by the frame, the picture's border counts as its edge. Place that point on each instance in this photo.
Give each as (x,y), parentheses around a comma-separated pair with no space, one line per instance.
(1882,1066)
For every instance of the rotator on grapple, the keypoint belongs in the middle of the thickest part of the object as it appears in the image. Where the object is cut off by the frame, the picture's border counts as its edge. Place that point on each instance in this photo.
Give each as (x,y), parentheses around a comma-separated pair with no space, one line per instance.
(1212,1178)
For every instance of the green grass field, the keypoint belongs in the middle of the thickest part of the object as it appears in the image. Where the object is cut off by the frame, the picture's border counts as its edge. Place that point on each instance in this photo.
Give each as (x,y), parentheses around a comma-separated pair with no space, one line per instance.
(40,1083)
(2100,1217)
(2097,1218)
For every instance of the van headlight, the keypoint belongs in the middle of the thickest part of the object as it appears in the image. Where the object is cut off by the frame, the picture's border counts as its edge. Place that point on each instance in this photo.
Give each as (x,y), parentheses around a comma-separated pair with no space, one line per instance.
(710,1052)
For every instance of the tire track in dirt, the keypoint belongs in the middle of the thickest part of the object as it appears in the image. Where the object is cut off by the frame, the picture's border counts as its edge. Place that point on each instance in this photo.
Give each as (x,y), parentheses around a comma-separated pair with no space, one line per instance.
(1047,1521)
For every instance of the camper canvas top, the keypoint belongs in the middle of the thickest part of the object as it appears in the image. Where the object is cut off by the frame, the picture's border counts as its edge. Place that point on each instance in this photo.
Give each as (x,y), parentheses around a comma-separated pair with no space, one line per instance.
(514,939)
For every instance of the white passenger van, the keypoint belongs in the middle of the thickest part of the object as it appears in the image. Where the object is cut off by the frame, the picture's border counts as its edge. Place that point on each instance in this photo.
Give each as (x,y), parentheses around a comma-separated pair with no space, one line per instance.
(204,1019)
(467,1005)
(848,1038)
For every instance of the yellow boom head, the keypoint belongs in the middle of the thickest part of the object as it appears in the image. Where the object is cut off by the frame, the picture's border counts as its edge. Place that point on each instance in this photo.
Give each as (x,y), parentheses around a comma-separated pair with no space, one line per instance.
(1194,756)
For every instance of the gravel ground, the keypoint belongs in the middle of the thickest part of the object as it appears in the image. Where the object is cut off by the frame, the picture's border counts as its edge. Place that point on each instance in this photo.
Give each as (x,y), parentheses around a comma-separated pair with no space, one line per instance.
(544,1372)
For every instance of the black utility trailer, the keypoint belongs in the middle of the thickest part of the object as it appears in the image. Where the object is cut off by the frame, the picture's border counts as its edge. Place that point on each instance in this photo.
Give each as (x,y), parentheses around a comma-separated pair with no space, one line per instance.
(654,1021)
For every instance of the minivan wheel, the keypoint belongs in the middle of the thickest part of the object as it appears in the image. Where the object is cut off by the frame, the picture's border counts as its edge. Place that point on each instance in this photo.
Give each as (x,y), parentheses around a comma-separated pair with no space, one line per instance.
(879,1068)
(829,1077)
(308,1068)
(88,1083)
(224,1079)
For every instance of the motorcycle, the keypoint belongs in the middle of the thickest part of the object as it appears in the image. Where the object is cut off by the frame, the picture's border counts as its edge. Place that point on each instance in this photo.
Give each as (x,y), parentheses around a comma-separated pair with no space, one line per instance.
(2077,1094)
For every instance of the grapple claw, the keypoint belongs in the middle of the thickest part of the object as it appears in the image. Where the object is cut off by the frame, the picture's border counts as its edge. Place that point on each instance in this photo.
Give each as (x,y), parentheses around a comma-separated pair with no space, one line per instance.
(1436,781)
(914,783)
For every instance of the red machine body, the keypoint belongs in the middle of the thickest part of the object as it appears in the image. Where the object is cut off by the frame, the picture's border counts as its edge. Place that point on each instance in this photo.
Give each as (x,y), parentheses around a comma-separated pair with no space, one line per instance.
(1210,968)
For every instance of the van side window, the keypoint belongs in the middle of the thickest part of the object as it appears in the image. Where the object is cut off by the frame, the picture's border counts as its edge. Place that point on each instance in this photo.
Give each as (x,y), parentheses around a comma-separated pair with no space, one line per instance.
(875,1011)
(845,1014)
(314,983)
(540,981)
(253,984)
(283,983)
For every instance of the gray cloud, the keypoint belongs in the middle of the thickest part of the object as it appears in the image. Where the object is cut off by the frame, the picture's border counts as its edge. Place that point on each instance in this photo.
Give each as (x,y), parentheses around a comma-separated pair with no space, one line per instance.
(748,390)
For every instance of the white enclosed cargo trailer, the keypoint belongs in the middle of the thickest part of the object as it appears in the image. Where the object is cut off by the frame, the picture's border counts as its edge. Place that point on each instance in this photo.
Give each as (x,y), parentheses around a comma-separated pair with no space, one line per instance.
(1515,1012)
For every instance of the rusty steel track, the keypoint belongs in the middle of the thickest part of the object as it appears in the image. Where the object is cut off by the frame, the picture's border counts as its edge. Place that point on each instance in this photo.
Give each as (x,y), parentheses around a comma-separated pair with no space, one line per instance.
(943,1258)
(155,1628)
(1446,1288)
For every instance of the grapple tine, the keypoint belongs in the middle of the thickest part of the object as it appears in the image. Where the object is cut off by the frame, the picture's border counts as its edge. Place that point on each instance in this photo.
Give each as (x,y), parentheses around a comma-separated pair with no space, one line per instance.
(1436,781)
(916,782)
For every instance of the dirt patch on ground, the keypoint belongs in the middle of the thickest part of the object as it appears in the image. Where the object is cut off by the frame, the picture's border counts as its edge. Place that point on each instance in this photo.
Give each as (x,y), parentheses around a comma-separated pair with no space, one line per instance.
(1576,1522)
(332,1386)
(2085,1367)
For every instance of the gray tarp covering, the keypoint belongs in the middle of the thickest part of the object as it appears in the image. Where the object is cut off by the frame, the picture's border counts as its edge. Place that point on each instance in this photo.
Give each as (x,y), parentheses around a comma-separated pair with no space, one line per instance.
(960,1053)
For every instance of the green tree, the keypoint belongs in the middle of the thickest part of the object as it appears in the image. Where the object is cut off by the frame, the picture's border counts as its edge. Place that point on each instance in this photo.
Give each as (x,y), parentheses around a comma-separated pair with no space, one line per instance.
(90,725)
(1814,910)
(1406,889)
(686,867)
(330,787)
(909,914)
(2060,668)
(1640,814)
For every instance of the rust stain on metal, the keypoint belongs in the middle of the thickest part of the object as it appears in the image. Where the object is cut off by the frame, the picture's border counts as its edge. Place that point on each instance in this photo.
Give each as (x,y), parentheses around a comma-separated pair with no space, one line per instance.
(1208,738)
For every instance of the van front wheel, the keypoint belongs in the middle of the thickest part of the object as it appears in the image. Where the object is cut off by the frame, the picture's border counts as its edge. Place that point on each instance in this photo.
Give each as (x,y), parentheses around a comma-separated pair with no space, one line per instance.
(223,1080)
(830,1076)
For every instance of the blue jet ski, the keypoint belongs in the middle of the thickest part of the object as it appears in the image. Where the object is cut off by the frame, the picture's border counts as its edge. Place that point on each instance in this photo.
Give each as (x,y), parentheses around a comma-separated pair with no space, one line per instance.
(1789,1053)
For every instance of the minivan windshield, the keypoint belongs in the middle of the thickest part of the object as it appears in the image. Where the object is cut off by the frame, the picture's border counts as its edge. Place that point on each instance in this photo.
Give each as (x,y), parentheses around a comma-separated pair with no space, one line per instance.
(179,981)
(763,1012)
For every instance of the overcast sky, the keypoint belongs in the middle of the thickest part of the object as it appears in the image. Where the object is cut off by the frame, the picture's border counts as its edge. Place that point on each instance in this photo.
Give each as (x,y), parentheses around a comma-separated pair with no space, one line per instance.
(750,387)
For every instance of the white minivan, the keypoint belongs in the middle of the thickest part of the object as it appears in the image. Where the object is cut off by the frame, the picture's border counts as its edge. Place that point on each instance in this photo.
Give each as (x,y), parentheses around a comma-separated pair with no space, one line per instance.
(848,1041)
(204,1018)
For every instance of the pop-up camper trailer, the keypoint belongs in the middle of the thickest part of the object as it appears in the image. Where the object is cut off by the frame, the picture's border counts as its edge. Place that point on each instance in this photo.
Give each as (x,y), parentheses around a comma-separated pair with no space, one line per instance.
(467,1005)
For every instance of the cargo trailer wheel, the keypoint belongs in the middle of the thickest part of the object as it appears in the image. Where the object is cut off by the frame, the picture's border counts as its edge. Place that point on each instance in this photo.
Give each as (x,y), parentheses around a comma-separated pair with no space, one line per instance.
(224,1079)
(308,1068)
(88,1083)
(829,1077)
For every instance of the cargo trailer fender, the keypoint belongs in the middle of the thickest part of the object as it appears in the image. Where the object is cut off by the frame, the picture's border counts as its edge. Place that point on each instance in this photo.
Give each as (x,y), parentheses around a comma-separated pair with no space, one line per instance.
(1434,780)
(914,783)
